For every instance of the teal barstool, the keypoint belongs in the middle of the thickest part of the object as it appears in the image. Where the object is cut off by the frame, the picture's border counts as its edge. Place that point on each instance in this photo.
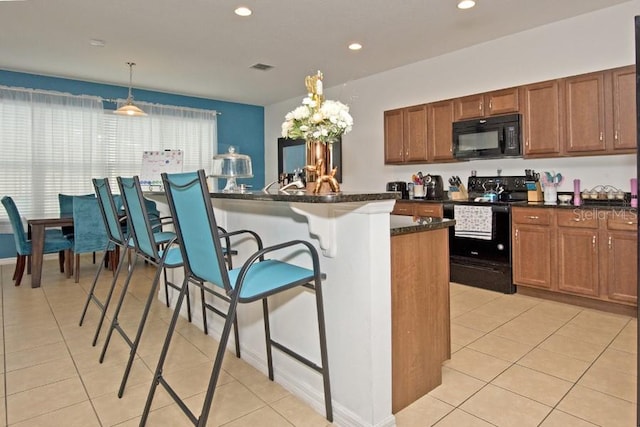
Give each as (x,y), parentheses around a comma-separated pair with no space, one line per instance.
(116,238)
(257,279)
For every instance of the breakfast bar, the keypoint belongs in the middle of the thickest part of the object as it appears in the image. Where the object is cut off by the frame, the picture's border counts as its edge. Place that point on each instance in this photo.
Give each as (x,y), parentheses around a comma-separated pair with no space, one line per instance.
(353,233)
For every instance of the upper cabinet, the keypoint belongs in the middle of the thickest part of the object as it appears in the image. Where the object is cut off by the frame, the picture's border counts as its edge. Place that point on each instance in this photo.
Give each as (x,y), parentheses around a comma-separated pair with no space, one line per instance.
(623,81)
(440,127)
(405,135)
(487,104)
(585,113)
(542,117)
(588,114)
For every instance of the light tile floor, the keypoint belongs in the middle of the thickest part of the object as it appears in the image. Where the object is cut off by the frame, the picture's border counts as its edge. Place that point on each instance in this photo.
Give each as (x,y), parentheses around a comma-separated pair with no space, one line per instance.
(517,361)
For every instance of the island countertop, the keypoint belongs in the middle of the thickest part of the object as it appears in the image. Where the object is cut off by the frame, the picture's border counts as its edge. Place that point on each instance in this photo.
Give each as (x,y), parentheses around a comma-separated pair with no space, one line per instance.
(403,224)
(306,197)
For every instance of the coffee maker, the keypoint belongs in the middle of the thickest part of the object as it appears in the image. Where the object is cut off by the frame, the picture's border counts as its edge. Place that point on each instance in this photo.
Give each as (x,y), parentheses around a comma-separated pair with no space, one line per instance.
(400,187)
(434,189)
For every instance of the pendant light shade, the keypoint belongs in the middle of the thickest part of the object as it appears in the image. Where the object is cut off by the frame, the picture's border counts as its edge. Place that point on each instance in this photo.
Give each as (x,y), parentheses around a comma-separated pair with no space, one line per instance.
(129,108)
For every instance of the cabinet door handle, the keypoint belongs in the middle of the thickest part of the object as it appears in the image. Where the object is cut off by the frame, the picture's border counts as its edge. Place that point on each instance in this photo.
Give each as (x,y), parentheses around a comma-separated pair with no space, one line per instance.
(609,242)
(615,136)
(593,241)
(576,219)
(601,136)
(526,143)
(516,234)
(532,217)
(630,222)
(490,104)
(480,106)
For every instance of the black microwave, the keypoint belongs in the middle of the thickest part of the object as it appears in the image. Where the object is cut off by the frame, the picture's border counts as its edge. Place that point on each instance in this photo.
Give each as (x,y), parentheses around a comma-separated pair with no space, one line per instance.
(491,137)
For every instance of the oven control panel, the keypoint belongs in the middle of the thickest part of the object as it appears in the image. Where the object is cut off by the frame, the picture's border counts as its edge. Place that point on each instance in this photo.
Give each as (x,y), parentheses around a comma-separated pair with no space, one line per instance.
(479,184)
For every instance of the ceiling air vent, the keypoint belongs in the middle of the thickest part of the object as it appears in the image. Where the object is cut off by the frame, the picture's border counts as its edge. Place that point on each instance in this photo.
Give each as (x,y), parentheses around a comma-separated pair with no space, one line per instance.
(262,67)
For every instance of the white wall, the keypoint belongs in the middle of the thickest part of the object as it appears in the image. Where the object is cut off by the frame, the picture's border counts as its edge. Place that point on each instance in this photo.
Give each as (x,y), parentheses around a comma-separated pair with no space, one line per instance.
(590,42)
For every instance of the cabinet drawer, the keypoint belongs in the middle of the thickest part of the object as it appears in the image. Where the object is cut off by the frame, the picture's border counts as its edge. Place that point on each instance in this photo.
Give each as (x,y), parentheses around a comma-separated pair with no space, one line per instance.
(577,218)
(622,220)
(532,216)
(429,209)
(402,208)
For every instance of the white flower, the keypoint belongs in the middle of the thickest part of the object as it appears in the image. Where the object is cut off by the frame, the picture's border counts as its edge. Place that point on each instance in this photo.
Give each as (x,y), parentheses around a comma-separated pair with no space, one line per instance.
(324,122)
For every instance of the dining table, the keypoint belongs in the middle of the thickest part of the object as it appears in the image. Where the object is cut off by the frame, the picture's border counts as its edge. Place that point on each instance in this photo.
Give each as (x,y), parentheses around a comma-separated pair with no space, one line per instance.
(37,229)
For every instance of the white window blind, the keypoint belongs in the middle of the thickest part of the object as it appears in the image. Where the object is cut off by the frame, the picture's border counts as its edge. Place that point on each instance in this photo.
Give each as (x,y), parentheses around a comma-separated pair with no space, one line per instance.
(55,143)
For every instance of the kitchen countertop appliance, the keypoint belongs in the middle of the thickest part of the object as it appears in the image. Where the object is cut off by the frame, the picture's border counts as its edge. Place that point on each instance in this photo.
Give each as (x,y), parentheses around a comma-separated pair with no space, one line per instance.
(433,187)
(399,186)
(480,242)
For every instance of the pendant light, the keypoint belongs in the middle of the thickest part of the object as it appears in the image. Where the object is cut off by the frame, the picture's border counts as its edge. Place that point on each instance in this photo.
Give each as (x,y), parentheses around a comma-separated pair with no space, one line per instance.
(129,109)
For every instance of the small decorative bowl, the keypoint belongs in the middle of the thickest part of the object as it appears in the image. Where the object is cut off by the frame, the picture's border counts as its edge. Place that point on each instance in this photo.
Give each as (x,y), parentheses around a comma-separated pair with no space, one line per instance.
(564,198)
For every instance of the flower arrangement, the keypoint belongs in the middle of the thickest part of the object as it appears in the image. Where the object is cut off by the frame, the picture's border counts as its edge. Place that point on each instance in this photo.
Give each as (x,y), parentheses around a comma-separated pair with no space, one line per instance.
(317,119)
(551,179)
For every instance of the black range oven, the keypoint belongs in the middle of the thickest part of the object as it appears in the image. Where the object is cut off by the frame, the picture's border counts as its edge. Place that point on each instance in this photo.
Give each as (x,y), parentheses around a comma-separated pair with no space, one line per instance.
(480,243)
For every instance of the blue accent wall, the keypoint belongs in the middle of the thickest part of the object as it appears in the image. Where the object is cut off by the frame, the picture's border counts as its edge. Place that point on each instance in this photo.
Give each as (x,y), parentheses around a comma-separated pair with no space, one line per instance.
(240,125)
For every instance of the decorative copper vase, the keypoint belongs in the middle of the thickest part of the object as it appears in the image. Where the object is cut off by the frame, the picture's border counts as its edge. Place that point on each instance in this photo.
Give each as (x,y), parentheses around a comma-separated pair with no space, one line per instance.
(319,160)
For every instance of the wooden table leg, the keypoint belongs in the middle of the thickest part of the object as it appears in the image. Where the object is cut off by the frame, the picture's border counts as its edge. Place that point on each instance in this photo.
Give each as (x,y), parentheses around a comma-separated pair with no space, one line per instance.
(37,248)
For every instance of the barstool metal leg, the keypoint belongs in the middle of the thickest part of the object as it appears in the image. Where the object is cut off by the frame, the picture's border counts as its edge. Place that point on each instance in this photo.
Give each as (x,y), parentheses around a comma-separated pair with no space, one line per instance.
(107,301)
(114,321)
(323,351)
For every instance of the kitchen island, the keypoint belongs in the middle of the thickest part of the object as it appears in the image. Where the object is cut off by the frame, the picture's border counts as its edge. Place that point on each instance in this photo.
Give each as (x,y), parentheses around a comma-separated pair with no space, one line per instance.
(353,233)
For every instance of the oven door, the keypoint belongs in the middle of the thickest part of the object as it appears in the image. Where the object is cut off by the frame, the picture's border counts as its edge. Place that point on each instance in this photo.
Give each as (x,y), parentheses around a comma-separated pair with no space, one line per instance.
(495,250)
(483,263)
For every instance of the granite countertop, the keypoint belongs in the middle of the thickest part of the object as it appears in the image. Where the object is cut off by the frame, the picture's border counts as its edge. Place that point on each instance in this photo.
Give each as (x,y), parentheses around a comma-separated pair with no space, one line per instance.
(304,197)
(589,205)
(401,224)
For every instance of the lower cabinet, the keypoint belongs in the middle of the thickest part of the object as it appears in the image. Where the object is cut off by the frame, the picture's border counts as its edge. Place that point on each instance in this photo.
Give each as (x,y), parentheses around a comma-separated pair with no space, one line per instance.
(621,257)
(578,250)
(533,247)
(584,252)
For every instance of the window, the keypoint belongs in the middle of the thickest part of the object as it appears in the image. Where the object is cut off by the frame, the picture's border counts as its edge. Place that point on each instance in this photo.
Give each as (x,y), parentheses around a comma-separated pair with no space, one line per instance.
(55,143)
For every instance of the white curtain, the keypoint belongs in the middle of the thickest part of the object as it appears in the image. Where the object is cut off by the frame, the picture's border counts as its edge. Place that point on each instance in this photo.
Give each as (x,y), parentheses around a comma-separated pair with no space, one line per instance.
(48,142)
(194,131)
(56,143)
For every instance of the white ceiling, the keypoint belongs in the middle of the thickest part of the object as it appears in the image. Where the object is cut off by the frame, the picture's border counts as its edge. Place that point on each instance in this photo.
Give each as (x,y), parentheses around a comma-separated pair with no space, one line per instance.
(201,48)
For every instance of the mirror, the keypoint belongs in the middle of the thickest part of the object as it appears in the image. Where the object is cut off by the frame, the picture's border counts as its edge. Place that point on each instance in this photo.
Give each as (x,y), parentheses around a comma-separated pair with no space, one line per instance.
(292,154)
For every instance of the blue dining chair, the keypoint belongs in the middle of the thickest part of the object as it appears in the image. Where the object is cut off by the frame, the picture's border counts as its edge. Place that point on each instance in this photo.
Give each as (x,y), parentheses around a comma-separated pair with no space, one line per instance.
(53,242)
(89,233)
(257,279)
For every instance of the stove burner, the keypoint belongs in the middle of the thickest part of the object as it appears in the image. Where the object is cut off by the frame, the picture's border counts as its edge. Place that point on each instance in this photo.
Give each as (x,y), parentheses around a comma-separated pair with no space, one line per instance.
(510,188)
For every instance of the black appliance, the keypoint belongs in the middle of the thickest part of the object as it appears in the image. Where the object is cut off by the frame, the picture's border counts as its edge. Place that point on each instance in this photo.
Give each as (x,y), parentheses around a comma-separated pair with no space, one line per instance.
(491,137)
(482,257)
(433,187)
(400,187)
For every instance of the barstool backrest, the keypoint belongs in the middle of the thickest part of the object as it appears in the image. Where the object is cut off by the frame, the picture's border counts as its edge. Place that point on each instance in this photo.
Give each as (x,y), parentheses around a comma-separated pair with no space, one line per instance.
(137,216)
(196,227)
(108,210)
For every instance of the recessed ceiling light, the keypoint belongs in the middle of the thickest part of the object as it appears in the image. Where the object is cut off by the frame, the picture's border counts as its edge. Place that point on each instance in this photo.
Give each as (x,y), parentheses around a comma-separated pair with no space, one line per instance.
(355,46)
(97,42)
(243,11)
(466,4)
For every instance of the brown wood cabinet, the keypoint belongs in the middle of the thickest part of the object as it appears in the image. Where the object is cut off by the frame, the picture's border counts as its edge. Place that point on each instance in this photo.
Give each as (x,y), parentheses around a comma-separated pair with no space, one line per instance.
(533,247)
(542,119)
(408,208)
(623,81)
(620,254)
(420,324)
(440,127)
(580,252)
(487,104)
(406,135)
(577,243)
(585,113)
